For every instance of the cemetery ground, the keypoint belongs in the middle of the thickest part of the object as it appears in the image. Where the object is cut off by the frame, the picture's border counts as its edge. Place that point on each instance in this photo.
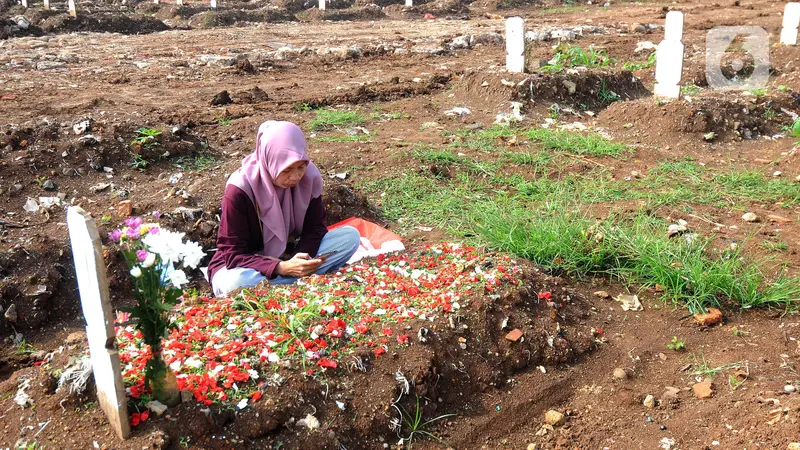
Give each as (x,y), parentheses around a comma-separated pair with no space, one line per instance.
(599,191)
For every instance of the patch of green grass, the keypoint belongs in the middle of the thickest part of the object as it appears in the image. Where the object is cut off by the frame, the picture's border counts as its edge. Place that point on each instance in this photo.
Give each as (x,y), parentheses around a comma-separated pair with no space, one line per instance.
(567,56)
(486,139)
(414,423)
(223,119)
(758,92)
(704,368)
(775,246)
(577,144)
(348,138)
(606,95)
(633,66)
(24,348)
(389,116)
(794,129)
(331,118)
(432,155)
(562,9)
(546,221)
(539,160)
(690,89)
(200,162)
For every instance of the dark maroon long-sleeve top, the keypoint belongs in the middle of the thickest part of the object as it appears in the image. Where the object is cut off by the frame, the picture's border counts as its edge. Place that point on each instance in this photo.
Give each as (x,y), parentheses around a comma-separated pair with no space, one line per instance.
(239,237)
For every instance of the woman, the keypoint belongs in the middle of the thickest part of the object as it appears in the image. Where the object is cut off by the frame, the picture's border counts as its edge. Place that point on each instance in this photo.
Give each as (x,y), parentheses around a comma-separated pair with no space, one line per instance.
(275,195)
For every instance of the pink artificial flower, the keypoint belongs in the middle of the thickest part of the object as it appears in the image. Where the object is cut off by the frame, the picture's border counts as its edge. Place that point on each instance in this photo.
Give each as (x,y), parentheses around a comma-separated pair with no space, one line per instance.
(141,255)
(115,235)
(133,222)
(133,233)
(153,230)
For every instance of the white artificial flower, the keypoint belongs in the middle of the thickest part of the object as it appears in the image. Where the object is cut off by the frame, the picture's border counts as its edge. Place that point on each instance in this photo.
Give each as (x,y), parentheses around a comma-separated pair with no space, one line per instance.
(149,260)
(168,244)
(192,254)
(136,272)
(178,278)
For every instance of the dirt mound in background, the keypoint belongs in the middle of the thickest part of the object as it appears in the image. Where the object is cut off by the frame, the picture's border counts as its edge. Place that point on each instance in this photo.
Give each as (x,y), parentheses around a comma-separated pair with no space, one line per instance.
(363,13)
(106,22)
(587,90)
(726,117)
(210,19)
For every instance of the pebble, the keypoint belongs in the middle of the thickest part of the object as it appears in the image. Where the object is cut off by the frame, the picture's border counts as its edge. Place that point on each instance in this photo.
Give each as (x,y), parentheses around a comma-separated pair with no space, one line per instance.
(157,407)
(47,65)
(777,173)
(789,388)
(554,418)
(11,313)
(602,294)
(649,401)
(703,389)
(531,447)
(49,185)
(620,374)
(793,446)
(750,217)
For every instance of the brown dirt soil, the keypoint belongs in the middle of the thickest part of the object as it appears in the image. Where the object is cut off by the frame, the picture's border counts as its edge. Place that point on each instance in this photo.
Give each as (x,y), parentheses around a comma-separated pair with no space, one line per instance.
(50,83)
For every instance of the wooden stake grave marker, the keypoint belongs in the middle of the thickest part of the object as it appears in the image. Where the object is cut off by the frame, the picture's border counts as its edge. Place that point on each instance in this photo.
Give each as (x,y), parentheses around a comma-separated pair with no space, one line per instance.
(73,11)
(213,4)
(669,57)
(322,5)
(409,2)
(515,45)
(90,271)
(46,4)
(791,20)
(24,3)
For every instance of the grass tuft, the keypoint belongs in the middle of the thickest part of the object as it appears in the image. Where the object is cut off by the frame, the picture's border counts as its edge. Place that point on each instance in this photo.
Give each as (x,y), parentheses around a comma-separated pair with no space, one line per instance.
(330,118)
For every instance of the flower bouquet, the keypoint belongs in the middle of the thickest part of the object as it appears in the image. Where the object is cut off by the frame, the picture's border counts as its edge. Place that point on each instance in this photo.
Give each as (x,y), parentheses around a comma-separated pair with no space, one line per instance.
(152,255)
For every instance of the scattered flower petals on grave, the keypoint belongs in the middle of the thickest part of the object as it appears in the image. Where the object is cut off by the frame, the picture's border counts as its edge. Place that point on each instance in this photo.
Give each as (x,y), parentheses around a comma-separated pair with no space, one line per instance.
(222,348)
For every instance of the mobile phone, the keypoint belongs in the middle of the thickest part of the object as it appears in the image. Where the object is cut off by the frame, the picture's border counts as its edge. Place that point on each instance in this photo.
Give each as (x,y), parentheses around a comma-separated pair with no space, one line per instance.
(325,256)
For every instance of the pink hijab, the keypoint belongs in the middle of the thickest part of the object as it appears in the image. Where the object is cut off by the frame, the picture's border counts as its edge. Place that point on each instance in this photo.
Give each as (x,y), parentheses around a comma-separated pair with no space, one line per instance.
(282,211)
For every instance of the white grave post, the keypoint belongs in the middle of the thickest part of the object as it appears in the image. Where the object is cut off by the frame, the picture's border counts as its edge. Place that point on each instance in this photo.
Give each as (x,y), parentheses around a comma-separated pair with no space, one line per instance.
(213,4)
(73,11)
(24,3)
(322,5)
(155,2)
(669,57)
(515,45)
(179,2)
(46,4)
(409,2)
(791,20)
(90,270)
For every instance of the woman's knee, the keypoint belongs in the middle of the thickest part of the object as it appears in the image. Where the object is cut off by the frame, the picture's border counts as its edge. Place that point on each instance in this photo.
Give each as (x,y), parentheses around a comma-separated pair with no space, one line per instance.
(351,238)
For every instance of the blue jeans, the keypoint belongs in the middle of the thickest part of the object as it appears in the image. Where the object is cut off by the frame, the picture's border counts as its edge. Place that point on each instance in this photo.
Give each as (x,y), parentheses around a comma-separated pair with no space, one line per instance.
(344,240)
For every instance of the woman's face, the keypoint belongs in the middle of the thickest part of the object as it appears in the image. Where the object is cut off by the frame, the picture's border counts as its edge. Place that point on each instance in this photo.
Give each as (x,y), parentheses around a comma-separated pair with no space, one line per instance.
(291,175)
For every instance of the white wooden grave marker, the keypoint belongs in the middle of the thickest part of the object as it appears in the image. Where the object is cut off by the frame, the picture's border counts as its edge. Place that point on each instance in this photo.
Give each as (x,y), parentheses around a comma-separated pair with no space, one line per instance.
(24,3)
(155,1)
(46,4)
(409,2)
(90,270)
(791,20)
(179,2)
(213,4)
(515,45)
(322,4)
(73,11)
(669,57)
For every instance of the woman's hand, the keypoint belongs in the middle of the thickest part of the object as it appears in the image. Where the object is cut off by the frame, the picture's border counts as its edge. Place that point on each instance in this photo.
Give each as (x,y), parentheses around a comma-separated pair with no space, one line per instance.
(300,265)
